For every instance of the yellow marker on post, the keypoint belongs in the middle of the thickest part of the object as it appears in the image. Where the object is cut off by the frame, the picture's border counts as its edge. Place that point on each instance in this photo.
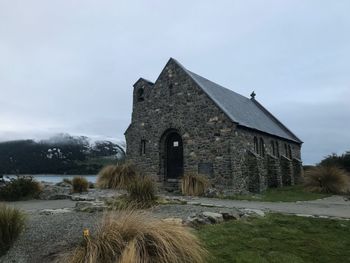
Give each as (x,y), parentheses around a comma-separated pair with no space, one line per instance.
(86,233)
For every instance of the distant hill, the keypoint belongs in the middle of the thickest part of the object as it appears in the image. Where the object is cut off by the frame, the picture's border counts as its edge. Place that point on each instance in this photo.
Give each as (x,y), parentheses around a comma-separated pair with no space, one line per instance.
(62,154)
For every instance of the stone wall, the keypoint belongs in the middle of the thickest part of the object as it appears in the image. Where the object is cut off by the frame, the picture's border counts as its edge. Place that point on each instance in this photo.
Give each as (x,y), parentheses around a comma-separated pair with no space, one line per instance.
(286,171)
(274,178)
(297,170)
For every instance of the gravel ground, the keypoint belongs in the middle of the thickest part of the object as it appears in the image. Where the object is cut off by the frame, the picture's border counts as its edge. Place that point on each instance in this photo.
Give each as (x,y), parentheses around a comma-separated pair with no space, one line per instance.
(46,236)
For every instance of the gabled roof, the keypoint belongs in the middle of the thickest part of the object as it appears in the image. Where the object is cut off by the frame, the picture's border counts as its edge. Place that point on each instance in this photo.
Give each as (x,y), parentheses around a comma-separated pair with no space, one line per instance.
(241,110)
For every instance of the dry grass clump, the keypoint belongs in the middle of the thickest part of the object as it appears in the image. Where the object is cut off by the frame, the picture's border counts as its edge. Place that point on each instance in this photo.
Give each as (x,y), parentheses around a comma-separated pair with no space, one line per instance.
(116,176)
(134,237)
(142,190)
(194,184)
(11,225)
(327,179)
(141,193)
(80,184)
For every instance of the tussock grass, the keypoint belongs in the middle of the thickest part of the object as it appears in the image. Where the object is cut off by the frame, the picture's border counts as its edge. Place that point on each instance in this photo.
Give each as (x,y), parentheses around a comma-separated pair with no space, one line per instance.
(142,190)
(134,237)
(327,179)
(194,184)
(141,193)
(11,225)
(116,176)
(20,188)
(80,184)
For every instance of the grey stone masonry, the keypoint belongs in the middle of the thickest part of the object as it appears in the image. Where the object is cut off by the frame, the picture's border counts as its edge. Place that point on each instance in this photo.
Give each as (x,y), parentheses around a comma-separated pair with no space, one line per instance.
(211,142)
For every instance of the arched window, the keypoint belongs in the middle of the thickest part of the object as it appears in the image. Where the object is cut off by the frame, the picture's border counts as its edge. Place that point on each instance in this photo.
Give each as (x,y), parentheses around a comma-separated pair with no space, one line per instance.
(140,94)
(285,150)
(256,145)
(273,148)
(289,152)
(262,147)
(277,149)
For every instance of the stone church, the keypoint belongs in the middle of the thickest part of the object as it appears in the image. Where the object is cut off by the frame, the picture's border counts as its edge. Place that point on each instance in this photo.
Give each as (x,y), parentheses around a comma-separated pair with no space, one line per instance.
(186,123)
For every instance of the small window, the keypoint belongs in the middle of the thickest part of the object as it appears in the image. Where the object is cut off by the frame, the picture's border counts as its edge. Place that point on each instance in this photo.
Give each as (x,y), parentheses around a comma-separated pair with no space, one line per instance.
(256,146)
(171,89)
(143,147)
(286,150)
(176,144)
(140,94)
(277,149)
(262,147)
(289,152)
(273,147)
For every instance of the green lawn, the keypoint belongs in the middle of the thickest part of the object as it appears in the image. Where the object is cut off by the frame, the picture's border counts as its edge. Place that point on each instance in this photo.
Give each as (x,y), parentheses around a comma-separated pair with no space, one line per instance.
(283,194)
(278,239)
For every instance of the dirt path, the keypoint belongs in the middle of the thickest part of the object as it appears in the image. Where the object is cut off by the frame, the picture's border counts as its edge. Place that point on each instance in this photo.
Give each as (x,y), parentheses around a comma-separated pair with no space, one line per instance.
(335,206)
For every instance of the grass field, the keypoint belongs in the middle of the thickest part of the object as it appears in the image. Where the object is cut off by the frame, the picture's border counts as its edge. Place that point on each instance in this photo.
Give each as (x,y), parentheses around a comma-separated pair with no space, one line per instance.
(283,194)
(278,239)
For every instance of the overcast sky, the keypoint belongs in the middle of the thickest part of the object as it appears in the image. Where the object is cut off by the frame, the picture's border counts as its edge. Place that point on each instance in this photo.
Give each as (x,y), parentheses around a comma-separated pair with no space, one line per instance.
(69,66)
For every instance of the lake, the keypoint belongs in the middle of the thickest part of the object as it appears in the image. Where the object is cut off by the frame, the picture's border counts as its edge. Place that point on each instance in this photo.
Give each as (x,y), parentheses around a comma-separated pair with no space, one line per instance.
(55,178)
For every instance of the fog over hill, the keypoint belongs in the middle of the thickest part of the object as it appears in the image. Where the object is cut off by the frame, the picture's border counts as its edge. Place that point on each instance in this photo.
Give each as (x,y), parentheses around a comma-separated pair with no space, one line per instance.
(60,154)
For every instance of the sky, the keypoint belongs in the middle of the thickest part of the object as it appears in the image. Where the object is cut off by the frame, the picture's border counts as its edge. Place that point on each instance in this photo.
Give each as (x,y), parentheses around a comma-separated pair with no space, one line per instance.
(69,65)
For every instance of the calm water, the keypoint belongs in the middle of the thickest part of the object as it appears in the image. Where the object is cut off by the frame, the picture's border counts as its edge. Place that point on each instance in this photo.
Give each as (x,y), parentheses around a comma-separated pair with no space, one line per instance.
(55,178)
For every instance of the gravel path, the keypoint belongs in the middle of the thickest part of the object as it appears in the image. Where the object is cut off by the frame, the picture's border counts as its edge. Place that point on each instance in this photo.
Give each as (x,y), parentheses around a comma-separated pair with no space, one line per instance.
(47,235)
(335,206)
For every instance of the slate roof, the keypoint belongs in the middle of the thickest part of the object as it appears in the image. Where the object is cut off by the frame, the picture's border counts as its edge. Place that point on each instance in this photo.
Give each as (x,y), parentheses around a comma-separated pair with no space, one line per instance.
(241,110)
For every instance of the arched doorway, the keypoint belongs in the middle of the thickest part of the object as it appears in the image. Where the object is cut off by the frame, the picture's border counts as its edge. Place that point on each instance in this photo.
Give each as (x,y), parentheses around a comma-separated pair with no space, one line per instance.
(172,164)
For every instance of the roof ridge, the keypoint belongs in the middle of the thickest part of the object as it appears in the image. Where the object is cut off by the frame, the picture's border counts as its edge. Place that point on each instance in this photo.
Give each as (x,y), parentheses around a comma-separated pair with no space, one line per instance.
(240,109)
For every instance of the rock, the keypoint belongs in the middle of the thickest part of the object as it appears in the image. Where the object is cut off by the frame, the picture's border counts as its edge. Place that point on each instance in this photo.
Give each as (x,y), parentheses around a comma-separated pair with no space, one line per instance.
(230,215)
(90,207)
(54,192)
(249,211)
(55,211)
(174,220)
(63,184)
(59,197)
(196,221)
(211,193)
(193,203)
(204,218)
(207,205)
(215,218)
(82,198)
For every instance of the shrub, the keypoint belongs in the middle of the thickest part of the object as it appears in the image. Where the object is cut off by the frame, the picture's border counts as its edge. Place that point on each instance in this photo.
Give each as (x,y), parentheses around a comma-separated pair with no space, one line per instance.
(80,184)
(134,237)
(194,184)
(116,176)
(19,188)
(342,161)
(326,179)
(11,224)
